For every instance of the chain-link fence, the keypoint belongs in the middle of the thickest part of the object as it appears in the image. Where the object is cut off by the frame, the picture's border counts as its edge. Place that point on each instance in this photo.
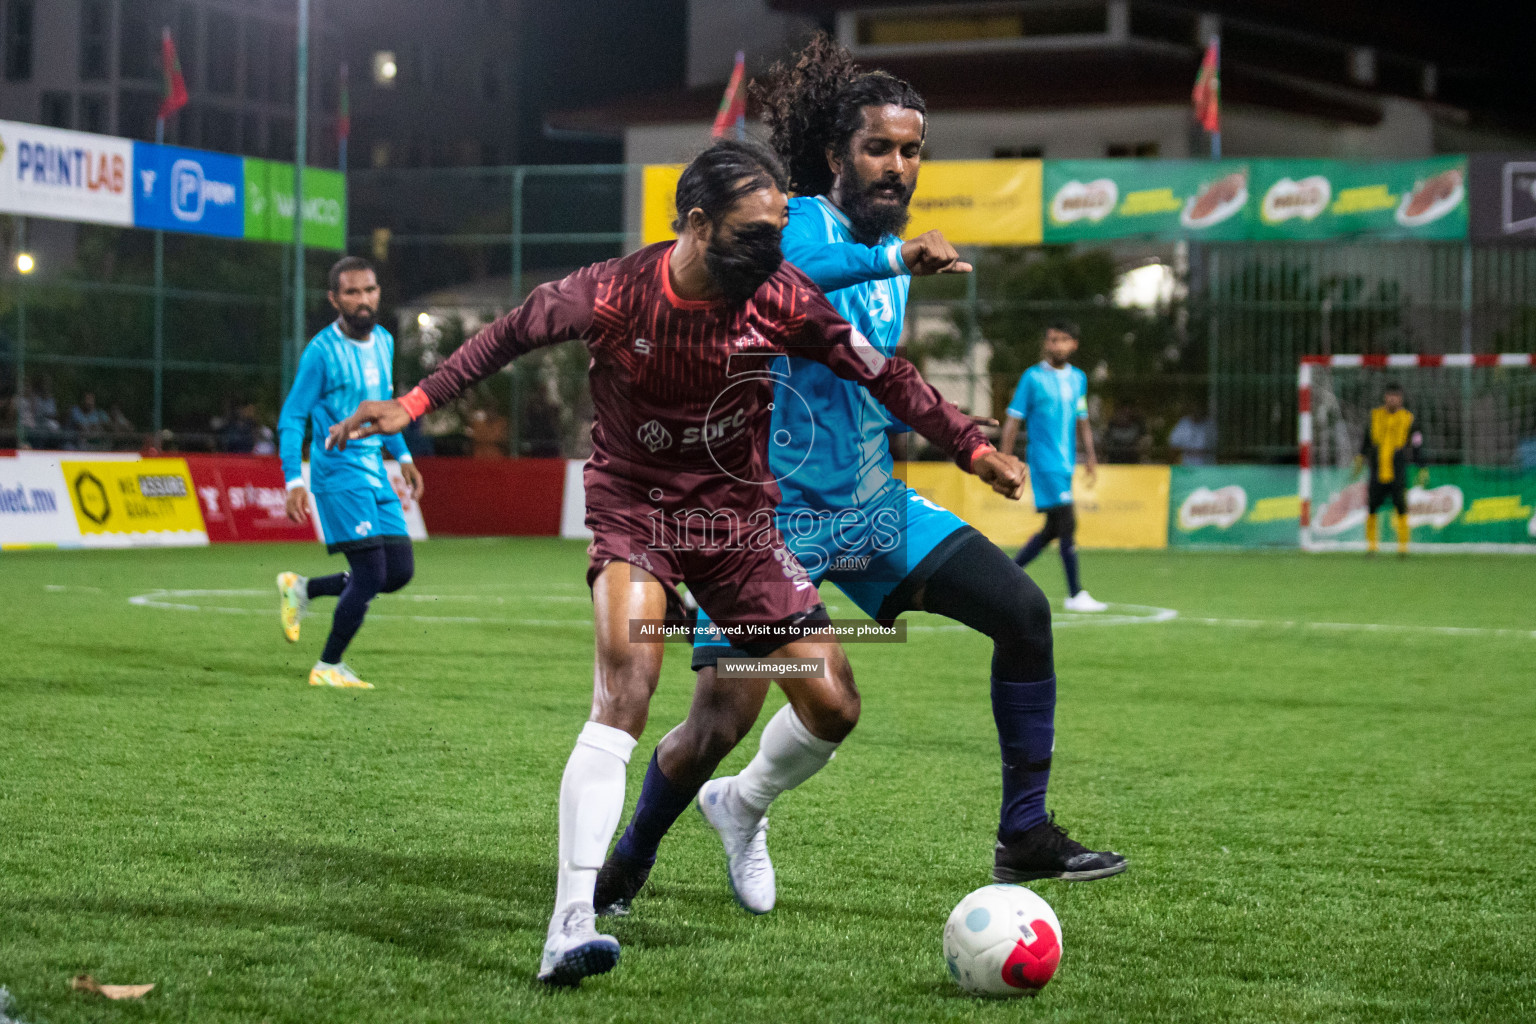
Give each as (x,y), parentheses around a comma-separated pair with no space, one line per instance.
(1216,342)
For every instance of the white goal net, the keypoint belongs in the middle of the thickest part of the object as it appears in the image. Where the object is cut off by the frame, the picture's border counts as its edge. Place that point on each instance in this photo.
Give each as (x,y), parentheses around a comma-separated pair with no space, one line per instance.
(1476,418)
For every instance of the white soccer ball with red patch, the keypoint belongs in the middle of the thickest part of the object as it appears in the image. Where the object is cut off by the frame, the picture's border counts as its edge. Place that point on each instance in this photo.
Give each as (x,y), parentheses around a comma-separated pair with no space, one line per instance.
(1002,941)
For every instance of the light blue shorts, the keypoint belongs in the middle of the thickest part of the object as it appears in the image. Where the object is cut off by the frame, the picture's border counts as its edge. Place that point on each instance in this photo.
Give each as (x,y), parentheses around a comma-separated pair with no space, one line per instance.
(363,518)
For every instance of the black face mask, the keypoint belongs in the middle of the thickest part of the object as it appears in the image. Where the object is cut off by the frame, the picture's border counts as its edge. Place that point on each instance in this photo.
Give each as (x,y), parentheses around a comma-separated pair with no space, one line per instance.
(872,221)
(741,265)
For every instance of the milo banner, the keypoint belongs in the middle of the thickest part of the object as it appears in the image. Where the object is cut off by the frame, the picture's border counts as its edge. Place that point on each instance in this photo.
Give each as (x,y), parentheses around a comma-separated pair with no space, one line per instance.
(974,202)
(1233,506)
(1338,198)
(1098,200)
(1475,508)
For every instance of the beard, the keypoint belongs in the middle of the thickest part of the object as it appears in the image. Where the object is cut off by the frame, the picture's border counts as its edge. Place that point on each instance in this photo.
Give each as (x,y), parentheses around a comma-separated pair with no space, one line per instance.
(870,213)
(360,321)
(741,265)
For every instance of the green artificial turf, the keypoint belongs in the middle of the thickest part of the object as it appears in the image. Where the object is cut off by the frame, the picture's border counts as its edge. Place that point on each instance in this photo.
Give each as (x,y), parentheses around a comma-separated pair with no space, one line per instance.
(1324,823)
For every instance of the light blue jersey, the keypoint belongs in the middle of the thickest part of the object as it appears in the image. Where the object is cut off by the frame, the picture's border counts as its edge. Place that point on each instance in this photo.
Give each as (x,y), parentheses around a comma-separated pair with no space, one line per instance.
(1050,402)
(336,375)
(836,454)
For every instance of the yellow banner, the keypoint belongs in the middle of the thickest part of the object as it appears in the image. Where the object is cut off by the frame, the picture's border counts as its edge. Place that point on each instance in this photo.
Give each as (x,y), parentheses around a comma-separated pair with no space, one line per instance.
(974,202)
(1127,507)
(149,501)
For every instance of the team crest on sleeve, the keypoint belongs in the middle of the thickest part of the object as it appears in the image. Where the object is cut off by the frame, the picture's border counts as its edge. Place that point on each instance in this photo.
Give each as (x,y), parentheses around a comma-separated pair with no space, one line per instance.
(873,359)
(654,436)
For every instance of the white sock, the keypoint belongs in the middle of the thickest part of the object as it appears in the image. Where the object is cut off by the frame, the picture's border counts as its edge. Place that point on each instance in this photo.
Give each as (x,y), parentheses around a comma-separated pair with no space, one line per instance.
(591,800)
(787,755)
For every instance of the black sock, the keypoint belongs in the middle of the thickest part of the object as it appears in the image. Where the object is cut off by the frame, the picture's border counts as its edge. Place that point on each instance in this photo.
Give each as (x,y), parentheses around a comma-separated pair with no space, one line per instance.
(661,802)
(363,585)
(328,586)
(1026,731)
(1069,564)
(1030,551)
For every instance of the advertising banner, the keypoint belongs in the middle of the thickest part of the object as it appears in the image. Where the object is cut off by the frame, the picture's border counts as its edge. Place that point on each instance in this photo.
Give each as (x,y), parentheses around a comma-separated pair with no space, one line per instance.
(50,172)
(1233,506)
(269,204)
(34,505)
(1503,188)
(974,202)
(244,498)
(1472,507)
(1127,508)
(188,190)
(1337,198)
(1089,200)
(979,202)
(134,503)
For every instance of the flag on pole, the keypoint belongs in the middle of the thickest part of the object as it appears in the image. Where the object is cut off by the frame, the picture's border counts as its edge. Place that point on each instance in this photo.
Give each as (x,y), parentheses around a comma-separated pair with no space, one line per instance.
(733,105)
(1207,93)
(175,95)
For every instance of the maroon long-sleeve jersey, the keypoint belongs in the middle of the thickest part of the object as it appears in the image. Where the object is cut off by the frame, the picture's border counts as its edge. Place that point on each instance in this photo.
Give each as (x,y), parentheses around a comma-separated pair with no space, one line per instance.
(681,388)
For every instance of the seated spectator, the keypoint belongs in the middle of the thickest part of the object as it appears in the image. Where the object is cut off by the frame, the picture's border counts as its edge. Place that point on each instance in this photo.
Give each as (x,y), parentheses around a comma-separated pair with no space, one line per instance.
(488,432)
(1194,438)
(118,423)
(240,432)
(1126,438)
(88,423)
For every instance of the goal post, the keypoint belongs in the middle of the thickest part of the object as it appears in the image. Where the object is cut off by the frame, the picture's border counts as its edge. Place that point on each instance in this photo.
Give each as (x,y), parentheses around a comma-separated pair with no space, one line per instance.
(1477,418)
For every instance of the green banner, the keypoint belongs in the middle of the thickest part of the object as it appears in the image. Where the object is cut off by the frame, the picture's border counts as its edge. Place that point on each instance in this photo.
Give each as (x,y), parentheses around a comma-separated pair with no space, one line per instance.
(1102,199)
(269,204)
(1257,200)
(1337,198)
(1468,505)
(1233,506)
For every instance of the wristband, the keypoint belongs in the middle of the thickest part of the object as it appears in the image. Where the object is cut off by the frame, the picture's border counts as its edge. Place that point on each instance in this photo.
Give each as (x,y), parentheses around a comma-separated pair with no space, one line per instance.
(976,453)
(415,402)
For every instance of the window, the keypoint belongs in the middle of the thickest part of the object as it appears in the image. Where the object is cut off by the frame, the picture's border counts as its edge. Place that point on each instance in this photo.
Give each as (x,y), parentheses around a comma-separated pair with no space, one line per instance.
(56,108)
(258,41)
(1131,149)
(1076,17)
(186,45)
(136,113)
(219,127)
(138,43)
(95,34)
(223,44)
(280,139)
(490,80)
(18,40)
(281,68)
(1018,153)
(250,135)
(94,114)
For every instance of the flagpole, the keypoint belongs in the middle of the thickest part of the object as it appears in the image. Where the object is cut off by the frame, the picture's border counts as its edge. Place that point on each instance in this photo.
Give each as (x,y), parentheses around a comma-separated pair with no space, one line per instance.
(157,413)
(300,155)
(346,125)
(1216,135)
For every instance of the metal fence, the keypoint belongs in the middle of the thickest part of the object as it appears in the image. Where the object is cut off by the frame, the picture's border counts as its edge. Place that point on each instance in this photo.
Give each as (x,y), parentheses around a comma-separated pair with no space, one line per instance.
(458,246)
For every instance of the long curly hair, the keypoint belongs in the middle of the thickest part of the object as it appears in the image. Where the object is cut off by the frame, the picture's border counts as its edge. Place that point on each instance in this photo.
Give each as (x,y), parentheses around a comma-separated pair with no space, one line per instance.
(814,102)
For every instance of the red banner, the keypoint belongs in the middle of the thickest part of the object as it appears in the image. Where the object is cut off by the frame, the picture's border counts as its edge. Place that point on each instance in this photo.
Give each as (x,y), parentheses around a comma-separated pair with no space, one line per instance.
(242,498)
(493,497)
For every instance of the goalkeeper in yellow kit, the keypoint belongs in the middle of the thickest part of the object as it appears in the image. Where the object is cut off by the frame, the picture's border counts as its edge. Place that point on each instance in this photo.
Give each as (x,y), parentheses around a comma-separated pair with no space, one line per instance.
(1391,442)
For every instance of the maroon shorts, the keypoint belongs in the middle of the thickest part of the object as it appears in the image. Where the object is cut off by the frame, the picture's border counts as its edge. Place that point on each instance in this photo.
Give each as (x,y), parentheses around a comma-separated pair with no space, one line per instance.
(737,567)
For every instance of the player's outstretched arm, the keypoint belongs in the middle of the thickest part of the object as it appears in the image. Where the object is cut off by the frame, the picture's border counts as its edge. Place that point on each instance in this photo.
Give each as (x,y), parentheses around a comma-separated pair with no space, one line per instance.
(374,417)
(834,265)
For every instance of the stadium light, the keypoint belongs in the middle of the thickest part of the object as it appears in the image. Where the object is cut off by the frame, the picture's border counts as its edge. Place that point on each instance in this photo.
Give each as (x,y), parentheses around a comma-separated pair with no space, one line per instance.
(25,264)
(424,320)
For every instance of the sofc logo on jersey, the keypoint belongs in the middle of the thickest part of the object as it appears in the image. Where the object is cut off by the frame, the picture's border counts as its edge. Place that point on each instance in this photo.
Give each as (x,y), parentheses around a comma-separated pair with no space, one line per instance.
(188,190)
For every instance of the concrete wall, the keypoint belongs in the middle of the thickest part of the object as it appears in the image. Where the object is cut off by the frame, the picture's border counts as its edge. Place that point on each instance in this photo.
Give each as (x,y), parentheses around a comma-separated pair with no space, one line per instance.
(718,28)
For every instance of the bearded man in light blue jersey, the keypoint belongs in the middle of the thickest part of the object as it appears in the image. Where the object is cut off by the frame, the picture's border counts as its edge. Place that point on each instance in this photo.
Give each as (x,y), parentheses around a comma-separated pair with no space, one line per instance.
(350,362)
(853,142)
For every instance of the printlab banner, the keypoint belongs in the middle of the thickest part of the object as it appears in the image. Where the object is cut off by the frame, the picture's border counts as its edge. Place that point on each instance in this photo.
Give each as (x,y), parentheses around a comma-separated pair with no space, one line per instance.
(974,202)
(1233,506)
(1486,508)
(98,179)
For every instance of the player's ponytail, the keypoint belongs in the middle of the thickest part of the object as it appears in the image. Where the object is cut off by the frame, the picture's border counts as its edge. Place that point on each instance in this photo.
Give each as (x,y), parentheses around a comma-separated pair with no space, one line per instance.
(816,103)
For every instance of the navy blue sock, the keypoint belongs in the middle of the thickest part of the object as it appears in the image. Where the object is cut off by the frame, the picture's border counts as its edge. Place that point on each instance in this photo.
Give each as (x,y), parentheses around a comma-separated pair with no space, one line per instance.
(1031,550)
(328,586)
(1069,563)
(661,802)
(363,584)
(1026,731)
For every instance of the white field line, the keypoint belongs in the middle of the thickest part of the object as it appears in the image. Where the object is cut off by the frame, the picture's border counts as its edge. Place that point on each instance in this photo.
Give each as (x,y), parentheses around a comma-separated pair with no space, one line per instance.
(1118,615)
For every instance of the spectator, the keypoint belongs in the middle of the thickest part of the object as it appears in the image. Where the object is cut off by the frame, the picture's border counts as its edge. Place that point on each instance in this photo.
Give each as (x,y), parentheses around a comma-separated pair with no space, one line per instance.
(242,431)
(88,423)
(1126,438)
(1194,438)
(488,432)
(118,424)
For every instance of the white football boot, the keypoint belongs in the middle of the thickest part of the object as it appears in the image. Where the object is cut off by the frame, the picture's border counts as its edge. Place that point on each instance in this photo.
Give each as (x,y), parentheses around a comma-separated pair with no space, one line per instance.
(574,949)
(1082,601)
(746,846)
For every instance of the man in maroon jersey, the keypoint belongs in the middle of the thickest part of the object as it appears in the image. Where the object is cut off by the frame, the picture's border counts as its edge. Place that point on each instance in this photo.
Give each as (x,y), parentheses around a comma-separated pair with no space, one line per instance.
(678,490)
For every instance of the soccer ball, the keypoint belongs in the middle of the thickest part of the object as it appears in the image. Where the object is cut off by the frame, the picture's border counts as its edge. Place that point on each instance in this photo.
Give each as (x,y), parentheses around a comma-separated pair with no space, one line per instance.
(1002,941)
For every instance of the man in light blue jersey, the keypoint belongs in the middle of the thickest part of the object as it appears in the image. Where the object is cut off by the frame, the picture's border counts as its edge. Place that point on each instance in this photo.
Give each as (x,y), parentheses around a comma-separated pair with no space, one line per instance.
(1051,401)
(350,362)
(853,143)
